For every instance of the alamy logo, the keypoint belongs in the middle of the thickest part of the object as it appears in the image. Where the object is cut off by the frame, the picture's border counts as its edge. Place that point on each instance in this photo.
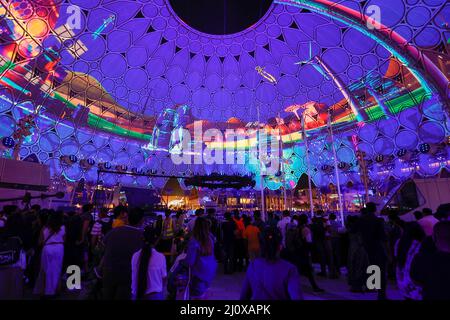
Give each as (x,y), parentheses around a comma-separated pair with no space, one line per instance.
(74,20)
(256,146)
(373,13)
(374,280)
(73,281)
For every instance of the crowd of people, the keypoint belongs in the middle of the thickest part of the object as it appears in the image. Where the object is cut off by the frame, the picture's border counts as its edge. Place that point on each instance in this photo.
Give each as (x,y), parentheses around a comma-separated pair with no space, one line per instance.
(126,255)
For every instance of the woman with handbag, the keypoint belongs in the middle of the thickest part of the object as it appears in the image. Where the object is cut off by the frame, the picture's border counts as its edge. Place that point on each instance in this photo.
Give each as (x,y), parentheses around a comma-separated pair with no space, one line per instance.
(52,243)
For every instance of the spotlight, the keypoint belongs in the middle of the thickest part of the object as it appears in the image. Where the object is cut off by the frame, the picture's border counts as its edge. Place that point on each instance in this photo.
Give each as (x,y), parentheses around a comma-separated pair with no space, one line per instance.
(401,153)
(343,165)
(104,166)
(68,160)
(424,148)
(8,142)
(121,168)
(379,158)
(135,170)
(87,163)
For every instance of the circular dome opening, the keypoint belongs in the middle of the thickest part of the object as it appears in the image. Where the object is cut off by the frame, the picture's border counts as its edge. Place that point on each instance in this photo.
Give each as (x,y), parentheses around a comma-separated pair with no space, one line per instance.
(220,17)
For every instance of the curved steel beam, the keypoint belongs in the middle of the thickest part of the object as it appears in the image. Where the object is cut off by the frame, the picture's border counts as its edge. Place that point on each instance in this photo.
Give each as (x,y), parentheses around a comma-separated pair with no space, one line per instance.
(426,72)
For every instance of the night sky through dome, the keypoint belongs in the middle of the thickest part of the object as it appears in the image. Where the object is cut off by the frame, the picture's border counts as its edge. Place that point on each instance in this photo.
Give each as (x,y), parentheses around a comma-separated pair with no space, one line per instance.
(101,83)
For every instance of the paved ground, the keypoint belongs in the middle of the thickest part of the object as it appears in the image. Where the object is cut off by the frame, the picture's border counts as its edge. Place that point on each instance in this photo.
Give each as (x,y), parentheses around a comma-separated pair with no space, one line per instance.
(228,287)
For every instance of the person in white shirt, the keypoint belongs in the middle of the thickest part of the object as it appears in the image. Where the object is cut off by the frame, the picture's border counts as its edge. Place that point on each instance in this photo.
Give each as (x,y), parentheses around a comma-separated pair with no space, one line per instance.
(52,255)
(148,270)
(282,225)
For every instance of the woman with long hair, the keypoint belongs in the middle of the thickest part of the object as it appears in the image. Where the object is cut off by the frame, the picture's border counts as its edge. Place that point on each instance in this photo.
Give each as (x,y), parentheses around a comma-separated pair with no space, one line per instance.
(269,277)
(200,258)
(148,269)
(52,255)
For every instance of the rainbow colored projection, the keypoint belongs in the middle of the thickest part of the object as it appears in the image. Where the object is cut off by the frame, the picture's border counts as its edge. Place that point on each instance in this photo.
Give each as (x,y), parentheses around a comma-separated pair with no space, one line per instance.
(110,82)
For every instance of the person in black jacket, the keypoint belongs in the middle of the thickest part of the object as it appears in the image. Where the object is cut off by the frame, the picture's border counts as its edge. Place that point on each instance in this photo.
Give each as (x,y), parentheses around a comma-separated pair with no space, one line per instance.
(432,269)
(318,236)
(374,239)
(228,228)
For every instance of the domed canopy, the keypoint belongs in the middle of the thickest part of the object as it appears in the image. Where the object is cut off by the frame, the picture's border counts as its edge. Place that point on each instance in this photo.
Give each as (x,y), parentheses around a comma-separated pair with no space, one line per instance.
(111,80)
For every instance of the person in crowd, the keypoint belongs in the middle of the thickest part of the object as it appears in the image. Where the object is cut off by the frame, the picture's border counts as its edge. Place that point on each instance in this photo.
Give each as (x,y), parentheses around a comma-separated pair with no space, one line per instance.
(318,230)
(239,243)
(120,216)
(198,213)
(101,226)
(303,252)
(214,223)
(251,236)
(148,270)
(227,237)
(418,215)
(158,225)
(73,246)
(291,240)
(329,254)
(258,221)
(272,220)
(34,253)
(283,223)
(374,240)
(180,217)
(178,276)
(120,245)
(12,259)
(431,271)
(211,217)
(15,227)
(394,229)
(200,259)
(167,233)
(269,277)
(443,212)
(406,248)
(3,219)
(52,254)
(88,220)
(334,245)
(428,221)
(358,261)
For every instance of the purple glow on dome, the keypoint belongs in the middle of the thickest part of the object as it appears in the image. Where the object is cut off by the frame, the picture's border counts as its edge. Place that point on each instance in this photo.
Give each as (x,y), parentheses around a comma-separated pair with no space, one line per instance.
(148,60)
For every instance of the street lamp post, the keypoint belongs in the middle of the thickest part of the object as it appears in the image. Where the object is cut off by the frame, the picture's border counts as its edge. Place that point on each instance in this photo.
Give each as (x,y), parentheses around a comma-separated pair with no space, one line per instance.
(336,169)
